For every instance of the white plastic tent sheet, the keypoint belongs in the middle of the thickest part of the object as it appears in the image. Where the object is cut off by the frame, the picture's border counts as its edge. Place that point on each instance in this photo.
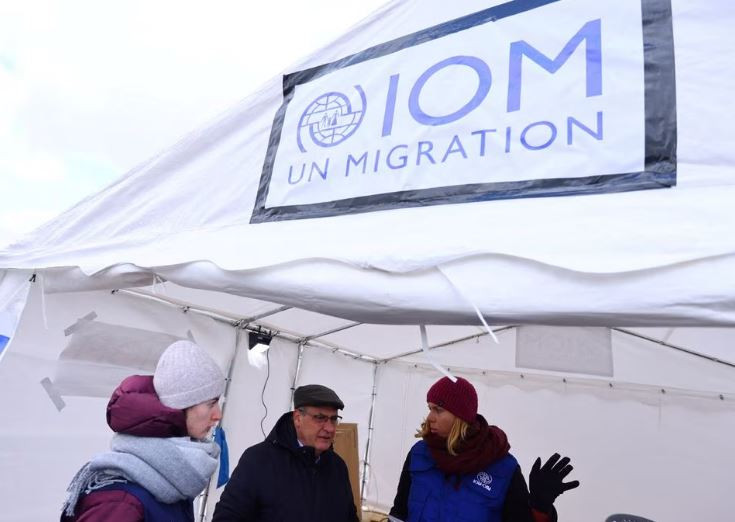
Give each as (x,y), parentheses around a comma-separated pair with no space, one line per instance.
(652,439)
(648,257)
(631,442)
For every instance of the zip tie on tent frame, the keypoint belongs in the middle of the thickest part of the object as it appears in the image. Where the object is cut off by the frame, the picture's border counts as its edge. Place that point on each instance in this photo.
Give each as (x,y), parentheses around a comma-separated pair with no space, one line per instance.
(509,378)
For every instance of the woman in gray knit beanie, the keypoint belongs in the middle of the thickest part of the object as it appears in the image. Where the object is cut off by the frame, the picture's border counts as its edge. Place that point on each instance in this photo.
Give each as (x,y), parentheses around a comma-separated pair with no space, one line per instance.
(162,455)
(187,378)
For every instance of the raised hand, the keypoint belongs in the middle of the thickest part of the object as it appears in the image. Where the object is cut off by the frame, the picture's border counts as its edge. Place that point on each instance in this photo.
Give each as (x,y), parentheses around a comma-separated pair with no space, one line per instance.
(546,482)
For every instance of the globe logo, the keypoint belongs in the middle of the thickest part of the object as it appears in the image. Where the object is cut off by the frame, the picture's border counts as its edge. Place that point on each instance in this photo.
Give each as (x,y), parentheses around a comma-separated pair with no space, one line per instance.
(331,119)
(484,478)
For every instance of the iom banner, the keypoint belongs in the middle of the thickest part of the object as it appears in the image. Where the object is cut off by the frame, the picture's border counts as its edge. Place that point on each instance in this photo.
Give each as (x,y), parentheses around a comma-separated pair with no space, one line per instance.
(524,99)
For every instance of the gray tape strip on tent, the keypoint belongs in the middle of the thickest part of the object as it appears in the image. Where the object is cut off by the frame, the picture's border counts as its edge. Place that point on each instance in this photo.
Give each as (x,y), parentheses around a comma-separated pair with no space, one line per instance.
(53,394)
(91,316)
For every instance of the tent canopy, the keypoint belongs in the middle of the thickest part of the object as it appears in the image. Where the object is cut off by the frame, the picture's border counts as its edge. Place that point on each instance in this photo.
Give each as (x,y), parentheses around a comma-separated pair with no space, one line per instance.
(588,182)
(638,405)
(462,166)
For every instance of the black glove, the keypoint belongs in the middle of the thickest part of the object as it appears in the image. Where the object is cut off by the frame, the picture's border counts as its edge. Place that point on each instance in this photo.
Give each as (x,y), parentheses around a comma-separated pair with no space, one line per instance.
(545,482)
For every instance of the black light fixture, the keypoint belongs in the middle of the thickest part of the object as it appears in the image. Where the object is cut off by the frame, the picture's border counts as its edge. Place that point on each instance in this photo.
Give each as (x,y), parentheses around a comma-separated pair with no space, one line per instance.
(259,340)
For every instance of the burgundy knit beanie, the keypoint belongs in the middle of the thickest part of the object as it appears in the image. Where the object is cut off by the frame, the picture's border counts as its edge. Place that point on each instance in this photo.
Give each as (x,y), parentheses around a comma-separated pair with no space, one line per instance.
(459,398)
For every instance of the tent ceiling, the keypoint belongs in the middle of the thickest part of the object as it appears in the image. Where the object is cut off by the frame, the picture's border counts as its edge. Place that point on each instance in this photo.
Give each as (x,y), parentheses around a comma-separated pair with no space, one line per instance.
(380,341)
(377,341)
(386,341)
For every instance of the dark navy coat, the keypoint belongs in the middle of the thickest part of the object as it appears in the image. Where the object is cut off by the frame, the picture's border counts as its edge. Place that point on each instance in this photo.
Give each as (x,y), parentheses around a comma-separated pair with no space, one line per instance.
(279,481)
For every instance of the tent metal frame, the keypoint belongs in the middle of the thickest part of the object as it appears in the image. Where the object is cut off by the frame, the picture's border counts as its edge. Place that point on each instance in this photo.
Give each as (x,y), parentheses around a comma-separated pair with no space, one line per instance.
(254,324)
(672,346)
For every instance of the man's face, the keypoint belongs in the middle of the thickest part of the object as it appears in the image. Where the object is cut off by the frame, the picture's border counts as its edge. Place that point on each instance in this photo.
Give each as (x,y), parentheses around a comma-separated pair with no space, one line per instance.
(314,426)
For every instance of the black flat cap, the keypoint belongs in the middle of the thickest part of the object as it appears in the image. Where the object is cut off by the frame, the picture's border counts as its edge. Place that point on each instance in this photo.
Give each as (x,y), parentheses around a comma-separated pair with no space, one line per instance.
(316,395)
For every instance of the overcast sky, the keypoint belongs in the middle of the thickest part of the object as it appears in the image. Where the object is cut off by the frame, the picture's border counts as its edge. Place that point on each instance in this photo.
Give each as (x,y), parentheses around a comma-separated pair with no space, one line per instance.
(90,88)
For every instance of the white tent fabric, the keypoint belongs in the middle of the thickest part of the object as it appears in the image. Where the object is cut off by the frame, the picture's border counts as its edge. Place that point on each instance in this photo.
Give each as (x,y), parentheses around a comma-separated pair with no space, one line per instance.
(664,415)
(606,203)
(667,246)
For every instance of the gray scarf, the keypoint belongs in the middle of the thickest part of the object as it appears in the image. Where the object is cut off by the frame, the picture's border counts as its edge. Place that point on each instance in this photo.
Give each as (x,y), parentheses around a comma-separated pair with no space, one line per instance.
(171,469)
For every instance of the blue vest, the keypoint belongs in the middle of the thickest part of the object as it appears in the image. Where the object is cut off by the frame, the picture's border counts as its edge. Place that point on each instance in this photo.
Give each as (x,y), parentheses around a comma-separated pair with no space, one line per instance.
(434,498)
(154,510)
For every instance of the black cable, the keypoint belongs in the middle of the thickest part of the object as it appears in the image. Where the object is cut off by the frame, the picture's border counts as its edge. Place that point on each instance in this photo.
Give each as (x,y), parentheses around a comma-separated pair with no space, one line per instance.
(262,393)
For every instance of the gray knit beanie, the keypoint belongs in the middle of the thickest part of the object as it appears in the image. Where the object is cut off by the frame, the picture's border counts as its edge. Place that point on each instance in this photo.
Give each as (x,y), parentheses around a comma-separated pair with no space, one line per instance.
(186,375)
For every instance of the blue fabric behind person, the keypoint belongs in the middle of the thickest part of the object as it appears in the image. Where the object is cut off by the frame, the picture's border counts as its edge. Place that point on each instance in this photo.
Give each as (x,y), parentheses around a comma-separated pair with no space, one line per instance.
(224,457)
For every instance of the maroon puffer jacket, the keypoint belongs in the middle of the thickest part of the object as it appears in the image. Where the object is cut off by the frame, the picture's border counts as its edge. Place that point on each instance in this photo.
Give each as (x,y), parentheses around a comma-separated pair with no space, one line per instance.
(134,409)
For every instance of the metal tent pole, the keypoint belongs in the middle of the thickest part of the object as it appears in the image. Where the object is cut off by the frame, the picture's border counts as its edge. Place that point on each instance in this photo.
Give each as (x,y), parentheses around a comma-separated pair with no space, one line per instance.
(449,343)
(371,418)
(299,358)
(204,497)
(672,346)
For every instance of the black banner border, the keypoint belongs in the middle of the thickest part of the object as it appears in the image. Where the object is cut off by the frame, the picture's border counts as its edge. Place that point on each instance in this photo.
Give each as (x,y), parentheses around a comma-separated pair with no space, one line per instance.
(660,127)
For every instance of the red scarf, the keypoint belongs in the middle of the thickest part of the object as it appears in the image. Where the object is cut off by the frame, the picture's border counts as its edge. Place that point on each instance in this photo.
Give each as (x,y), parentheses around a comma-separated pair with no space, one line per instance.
(483,445)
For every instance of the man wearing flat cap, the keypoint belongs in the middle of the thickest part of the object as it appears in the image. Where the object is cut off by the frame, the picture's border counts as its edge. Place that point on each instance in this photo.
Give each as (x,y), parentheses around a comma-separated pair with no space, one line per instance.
(294,475)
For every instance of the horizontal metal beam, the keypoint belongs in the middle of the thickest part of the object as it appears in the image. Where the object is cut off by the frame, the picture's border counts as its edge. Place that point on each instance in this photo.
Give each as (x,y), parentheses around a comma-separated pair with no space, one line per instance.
(330,332)
(449,343)
(672,346)
(244,322)
(263,315)
(503,377)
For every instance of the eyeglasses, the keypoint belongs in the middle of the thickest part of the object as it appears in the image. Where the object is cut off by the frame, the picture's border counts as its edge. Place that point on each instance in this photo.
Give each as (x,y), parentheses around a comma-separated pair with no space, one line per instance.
(322,419)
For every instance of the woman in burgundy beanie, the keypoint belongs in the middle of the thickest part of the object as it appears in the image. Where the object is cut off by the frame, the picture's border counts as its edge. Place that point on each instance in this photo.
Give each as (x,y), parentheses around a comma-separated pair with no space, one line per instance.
(461,469)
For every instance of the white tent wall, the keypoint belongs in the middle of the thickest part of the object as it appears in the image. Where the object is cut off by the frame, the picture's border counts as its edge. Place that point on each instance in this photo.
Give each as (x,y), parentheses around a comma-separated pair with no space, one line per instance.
(38,436)
(42,446)
(667,458)
(636,362)
(631,444)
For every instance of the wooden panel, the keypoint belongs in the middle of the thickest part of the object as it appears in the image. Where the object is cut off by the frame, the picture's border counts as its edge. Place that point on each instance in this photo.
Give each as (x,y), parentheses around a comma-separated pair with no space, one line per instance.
(345,444)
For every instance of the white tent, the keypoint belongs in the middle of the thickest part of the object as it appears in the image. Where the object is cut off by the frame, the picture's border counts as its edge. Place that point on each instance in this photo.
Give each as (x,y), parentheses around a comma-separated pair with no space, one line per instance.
(442,165)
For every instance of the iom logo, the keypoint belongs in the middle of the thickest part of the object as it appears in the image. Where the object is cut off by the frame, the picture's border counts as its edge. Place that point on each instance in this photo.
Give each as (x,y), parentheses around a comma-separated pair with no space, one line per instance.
(497,104)
(331,119)
(483,480)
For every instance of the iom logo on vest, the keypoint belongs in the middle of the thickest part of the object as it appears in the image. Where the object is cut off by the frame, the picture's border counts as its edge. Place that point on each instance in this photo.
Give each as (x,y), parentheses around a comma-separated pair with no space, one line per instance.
(483,480)
(524,99)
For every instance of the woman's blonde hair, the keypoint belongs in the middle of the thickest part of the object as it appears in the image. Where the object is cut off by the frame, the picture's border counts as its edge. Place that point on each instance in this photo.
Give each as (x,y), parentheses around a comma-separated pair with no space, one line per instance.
(457,434)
